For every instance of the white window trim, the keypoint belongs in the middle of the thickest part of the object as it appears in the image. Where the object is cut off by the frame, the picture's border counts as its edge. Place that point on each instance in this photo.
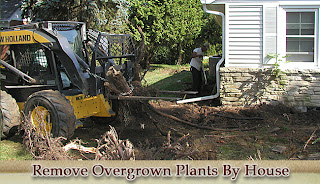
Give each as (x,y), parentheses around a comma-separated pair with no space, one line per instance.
(282,38)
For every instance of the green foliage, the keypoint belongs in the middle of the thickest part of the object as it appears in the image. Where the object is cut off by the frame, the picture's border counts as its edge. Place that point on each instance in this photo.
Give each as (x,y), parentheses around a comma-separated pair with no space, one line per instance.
(173,24)
(205,62)
(276,71)
(172,28)
(105,15)
(162,55)
(211,32)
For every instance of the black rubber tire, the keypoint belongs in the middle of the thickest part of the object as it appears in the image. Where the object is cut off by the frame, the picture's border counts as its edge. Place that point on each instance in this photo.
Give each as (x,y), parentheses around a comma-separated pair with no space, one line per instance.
(61,111)
(10,114)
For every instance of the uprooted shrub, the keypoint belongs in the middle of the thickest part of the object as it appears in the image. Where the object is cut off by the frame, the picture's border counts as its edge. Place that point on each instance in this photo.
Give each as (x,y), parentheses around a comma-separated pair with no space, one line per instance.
(43,146)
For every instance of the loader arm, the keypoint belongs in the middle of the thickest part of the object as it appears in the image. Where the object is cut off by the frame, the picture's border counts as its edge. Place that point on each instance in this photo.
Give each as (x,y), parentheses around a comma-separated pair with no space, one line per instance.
(69,60)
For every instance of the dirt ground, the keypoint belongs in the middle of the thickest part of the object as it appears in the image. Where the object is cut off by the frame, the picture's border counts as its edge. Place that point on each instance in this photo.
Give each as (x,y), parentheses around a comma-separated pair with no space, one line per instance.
(203,132)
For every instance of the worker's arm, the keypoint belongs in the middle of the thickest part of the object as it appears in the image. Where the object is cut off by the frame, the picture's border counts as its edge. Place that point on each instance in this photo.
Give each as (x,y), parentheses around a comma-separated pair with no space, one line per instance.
(194,55)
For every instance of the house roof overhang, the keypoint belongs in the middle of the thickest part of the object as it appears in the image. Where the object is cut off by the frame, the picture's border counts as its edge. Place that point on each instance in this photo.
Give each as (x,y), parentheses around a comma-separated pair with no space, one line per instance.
(10,9)
(260,1)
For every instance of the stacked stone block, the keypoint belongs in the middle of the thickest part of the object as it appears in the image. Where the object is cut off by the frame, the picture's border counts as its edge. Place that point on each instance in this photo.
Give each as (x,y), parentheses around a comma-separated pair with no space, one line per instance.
(251,86)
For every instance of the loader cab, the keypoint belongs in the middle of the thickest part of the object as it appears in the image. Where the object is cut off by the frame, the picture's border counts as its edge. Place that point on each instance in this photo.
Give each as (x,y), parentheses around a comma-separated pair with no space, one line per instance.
(75,33)
(32,59)
(36,59)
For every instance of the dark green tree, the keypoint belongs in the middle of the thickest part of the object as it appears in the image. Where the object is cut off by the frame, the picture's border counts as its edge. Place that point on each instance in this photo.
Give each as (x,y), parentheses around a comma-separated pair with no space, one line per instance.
(211,32)
(170,26)
(105,15)
(183,25)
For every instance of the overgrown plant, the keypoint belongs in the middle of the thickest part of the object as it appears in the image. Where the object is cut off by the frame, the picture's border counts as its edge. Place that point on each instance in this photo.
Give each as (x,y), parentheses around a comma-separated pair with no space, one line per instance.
(276,71)
(42,146)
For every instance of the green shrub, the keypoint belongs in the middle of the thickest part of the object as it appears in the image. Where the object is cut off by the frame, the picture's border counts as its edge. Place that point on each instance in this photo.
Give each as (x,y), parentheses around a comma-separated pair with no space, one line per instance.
(162,55)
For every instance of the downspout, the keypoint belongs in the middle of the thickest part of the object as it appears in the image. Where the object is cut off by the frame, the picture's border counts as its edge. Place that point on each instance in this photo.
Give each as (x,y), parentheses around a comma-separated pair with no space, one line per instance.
(218,64)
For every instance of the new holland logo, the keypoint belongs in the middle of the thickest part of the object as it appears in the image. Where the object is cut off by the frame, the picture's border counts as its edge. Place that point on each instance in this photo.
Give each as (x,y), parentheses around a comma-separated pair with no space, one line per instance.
(16,38)
(21,37)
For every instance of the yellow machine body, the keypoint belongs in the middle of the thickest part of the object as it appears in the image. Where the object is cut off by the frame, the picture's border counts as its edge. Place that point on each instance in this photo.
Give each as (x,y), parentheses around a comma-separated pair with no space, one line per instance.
(87,106)
(21,37)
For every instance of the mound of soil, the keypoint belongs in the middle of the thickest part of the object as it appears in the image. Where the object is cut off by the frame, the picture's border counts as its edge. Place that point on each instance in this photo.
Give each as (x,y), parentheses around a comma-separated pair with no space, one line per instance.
(201,132)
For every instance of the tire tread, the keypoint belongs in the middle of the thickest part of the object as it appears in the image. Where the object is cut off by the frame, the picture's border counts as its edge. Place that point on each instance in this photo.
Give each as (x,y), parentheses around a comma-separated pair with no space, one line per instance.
(10,113)
(64,109)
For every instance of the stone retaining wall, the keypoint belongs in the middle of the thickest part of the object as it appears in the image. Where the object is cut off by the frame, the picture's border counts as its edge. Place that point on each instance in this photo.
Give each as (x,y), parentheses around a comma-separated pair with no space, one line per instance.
(250,86)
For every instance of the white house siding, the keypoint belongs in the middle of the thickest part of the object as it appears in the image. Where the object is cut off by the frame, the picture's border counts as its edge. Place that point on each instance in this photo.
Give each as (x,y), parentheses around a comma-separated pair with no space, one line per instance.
(254,29)
(244,42)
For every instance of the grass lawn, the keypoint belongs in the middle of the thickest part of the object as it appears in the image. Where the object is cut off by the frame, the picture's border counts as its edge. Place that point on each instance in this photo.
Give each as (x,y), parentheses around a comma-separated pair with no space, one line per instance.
(168,77)
(13,150)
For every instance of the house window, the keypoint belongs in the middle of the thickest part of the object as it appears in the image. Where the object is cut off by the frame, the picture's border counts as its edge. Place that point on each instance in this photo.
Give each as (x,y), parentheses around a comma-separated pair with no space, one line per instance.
(300,36)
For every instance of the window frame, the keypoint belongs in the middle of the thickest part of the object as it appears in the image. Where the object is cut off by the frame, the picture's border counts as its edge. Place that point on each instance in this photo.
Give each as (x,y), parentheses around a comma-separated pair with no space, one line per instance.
(315,36)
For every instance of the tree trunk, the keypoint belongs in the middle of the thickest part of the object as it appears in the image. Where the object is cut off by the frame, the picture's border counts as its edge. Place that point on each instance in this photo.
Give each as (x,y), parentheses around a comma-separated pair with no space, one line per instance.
(116,83)
(180,54)
(140,54)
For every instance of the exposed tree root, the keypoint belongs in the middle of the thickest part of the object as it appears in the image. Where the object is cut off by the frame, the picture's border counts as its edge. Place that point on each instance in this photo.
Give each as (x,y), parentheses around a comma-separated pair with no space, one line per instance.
(195,125)
(110,147)
(42,146)
(239,118)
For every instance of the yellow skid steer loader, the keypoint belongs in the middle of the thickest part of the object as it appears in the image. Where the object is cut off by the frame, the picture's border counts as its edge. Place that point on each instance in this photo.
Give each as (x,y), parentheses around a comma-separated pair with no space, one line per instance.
(54,71)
